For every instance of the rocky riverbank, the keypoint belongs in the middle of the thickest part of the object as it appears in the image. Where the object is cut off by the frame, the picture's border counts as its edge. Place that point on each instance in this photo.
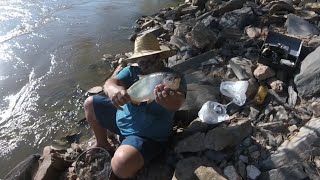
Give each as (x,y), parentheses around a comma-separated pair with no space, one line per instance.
(276,136)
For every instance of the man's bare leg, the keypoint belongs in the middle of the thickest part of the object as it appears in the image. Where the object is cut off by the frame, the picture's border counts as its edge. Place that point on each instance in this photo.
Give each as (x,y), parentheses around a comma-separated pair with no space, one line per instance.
(126,162)
(99,132)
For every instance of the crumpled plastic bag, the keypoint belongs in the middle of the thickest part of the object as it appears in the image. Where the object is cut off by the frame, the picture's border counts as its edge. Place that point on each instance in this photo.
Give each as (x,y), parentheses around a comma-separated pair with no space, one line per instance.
(235,90)
(213,113)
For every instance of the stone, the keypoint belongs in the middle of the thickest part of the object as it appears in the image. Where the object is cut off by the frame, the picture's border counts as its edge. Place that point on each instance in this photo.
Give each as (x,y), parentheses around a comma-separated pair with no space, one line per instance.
(297,149)
(156,31)
(25,169)
(241,67)
(230,6)
(297,26)
(183,28)
(189,10)
(314,42)
(241,168)
(315,6)
(193,143)
(147,24)
(197,126)
(231,173)
(281,7)
(169,26)
(200,3)
(253,148)
(211,4)
(196,168)
(295,171)
(309,77)
(253,113)
(177,41)
(207,173)
(304,2)
(247,141)
(276,126)
(252,88)
(293,95)
(193,64)
(157,170)
(215,156)
(210,22)
(292,128)
(263,72)
(200,36)
(253,172)
(276,85)
(232,135)
(253,32)
(197,95)
(239,18)
(95,90)
(315,106)
(255,155)
(244,158)
(281,114)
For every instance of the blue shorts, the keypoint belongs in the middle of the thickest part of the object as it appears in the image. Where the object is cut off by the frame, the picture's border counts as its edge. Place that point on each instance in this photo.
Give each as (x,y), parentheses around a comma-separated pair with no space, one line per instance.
(106,116)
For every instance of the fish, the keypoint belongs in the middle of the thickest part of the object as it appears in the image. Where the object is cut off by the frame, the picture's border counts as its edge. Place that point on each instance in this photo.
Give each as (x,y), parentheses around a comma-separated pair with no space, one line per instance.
(142,90)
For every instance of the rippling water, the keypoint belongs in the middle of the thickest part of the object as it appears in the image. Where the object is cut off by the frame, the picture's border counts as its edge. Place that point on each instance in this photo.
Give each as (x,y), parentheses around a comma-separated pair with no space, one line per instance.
(48,51)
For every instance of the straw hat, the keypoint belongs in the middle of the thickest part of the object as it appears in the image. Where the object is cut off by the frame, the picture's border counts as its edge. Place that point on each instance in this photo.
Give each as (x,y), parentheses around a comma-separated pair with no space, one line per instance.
(147,45)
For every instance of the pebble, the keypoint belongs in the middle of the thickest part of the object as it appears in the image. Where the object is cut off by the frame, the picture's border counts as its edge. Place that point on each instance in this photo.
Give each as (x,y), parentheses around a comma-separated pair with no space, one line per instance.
(255,155)
(244,159)
(247,142)
(253,172)
(253,148)
(231,173)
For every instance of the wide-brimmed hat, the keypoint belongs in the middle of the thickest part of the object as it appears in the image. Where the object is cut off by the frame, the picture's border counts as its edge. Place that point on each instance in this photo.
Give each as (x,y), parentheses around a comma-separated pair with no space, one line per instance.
(147,45)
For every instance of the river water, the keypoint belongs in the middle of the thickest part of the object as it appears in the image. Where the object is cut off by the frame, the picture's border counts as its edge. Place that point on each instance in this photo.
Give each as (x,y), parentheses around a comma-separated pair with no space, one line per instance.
(49,51)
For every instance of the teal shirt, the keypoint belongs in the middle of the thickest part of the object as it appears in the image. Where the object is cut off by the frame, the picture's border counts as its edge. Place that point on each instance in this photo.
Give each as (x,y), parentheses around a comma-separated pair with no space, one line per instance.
(146,120)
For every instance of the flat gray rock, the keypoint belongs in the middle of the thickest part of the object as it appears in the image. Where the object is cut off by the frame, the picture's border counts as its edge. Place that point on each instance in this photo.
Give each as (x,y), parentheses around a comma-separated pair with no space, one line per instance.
(308,80)
(297,26)
(297,149)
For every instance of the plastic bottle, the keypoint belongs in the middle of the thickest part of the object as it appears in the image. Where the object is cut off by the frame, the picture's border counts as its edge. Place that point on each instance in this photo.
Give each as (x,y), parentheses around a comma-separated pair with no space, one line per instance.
(261,94)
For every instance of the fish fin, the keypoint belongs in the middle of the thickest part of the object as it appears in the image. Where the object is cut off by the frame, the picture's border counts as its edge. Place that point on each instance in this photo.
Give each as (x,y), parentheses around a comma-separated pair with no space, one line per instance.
(149,101)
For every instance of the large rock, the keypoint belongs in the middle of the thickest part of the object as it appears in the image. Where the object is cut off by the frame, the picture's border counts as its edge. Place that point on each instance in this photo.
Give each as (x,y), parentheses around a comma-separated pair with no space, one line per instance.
(263,72)
(25,169)
(200,36)
(219,138)
(52,165)
(178,41)
(239,18)
(197,95)
(157,170)
(193,143)
(230,6)
(195,168)
(296,150)
(241,68)
(307,81)
(295,171)
(297,26)
(193,64)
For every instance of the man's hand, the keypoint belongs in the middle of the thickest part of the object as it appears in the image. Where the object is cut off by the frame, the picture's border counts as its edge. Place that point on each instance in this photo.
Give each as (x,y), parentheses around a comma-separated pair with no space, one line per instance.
(168,98)
(120,98)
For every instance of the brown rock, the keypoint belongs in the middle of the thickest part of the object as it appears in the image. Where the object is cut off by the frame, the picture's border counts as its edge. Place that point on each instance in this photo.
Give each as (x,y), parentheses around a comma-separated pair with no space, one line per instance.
(253,32)
(196,168)
(276,85)
(263,72)
(315,106)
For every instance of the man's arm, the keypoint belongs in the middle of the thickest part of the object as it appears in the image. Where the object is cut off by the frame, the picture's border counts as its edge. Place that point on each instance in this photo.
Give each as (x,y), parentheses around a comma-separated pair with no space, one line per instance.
(169,99)
(116,90)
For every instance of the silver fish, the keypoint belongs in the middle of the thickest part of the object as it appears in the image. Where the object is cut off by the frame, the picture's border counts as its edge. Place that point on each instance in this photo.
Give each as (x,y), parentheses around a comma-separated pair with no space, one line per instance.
(142,90)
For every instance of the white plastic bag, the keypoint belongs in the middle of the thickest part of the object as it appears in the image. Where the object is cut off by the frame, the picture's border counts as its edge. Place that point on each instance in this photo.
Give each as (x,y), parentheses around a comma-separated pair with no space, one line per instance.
(235,90)
(213,113)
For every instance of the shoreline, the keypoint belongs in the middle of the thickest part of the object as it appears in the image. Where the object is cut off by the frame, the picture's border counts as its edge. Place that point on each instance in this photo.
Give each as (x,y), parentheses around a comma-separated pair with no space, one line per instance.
(218,42)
